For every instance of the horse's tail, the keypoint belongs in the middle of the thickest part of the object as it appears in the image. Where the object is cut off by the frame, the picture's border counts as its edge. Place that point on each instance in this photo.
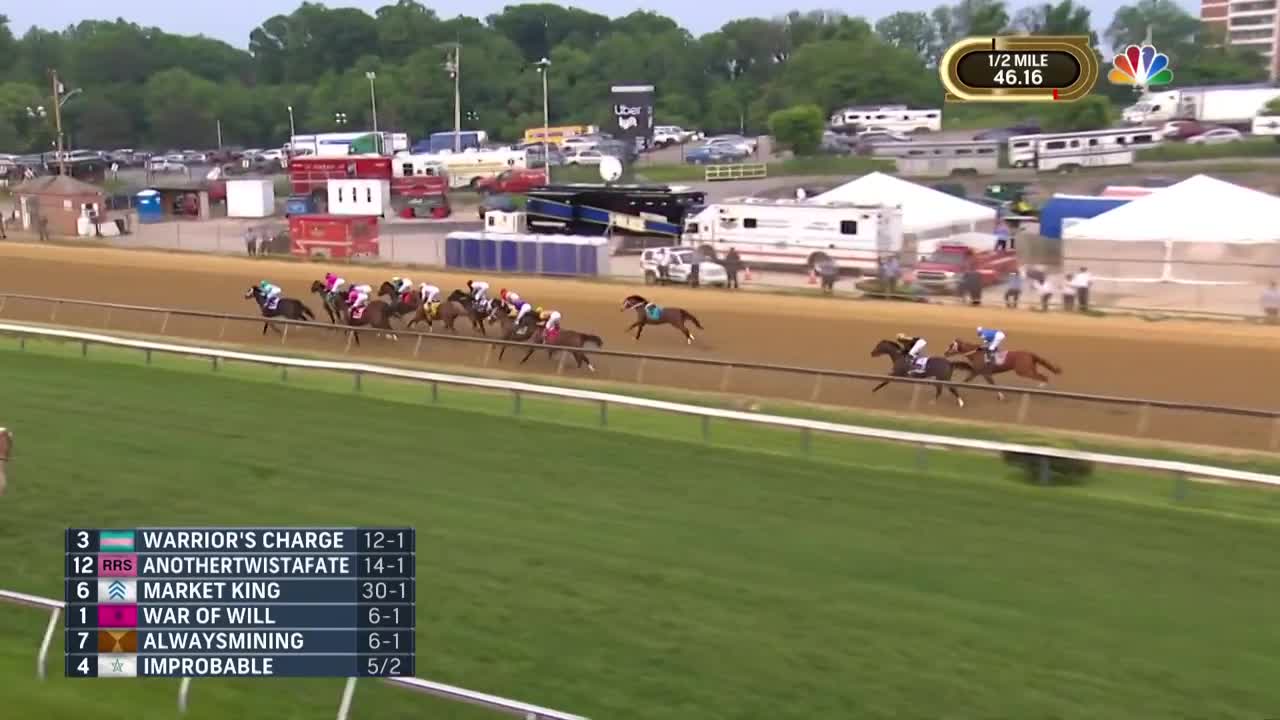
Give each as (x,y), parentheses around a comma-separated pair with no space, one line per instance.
(692,319)
(1041,361)
(589,339)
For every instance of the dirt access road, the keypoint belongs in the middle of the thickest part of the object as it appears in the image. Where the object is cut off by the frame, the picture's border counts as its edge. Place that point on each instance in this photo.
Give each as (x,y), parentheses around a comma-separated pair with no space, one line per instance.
(1179,361)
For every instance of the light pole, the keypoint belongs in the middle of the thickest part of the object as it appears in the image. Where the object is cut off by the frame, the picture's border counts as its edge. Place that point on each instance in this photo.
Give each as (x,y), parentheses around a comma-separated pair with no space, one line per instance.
(373,98)
(292,129)
(340,118)
(59,99)
(454,67)
(544,67)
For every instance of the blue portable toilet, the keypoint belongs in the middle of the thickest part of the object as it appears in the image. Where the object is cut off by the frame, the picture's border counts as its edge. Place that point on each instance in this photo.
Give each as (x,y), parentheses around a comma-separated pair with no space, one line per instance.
(149,205)
(299,205)
(1063,207)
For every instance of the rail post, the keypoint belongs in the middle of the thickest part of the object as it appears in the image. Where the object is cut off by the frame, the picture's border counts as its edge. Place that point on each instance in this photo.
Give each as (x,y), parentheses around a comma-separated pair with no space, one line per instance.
(53,314)
(222,329)
(417,346)
(515,402)
(1144,419)
(214,361)
(806,441)
(284,334)
(147,354)
(1024,407)
(724,378)
(435,393)
(356,383)
(640,371)
(706,428)
(284,373)
(42,658)
(915,396)
(1275,433)
(3,298)
(106,321)
(84,348)
(817,388)
(604,413)
(560,364)
(1044,470)
(488,351)
(164,324)
(22,342)
(1179,487)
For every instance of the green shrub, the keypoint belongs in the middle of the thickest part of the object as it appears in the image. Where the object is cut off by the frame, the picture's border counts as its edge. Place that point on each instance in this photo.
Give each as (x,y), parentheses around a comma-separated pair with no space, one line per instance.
(798,128)
(1062,471)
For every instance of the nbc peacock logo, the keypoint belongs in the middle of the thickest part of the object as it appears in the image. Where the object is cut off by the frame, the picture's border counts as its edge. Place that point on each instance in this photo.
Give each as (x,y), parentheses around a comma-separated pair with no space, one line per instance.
(1141,66)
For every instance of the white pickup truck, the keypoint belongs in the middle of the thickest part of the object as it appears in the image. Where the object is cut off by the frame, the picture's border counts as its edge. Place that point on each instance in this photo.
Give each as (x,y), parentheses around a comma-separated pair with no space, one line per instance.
(678,270)
(667,135)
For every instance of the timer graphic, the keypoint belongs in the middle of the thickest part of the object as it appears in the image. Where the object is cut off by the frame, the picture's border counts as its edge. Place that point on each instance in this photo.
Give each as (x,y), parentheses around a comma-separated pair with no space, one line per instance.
(1019,69)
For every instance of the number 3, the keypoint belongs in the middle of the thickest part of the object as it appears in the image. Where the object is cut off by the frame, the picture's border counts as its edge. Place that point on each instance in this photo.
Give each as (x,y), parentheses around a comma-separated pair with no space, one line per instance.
(83,542)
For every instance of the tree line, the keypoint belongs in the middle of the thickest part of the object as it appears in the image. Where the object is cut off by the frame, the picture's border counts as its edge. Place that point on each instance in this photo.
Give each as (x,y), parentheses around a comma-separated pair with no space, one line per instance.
(144,87)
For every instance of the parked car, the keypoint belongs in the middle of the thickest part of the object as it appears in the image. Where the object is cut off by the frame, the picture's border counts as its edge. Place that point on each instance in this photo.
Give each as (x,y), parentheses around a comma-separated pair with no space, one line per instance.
(1216,136)
(942,271)
(1183,129)
(834,143)
(712,155)
(166,164)
(515,180)
(744,145)
(584,157)
(664,135)
(681,267)
(864,143)
(1004,133)
(578,142)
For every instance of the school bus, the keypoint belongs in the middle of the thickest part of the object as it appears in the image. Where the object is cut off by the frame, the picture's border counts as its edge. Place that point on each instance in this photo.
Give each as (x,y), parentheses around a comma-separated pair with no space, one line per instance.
(556,134)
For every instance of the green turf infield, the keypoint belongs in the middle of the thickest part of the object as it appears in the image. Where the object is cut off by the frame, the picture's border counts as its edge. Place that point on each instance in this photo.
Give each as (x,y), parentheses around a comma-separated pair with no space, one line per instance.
(643,571)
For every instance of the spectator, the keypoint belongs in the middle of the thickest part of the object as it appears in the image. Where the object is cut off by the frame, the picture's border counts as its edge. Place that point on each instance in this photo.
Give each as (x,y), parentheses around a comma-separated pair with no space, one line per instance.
(732,266)
(695,269)
(1045,288)
(250,242)
(42,223)
(971,285)
(829,272)
(1082,283)
(1013,290)
(1069,293)
(664,266)
(3,236)
(892,271)
(1271,303)
(1003,237)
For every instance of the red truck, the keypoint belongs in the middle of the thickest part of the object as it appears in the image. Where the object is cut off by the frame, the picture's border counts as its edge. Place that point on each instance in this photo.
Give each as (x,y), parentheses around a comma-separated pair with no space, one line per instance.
(945,268)
(310,175)
(333,236)
(515,180)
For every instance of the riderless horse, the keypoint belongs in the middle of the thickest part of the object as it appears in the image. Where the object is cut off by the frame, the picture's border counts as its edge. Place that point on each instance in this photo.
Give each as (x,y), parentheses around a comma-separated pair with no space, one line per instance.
(648,313)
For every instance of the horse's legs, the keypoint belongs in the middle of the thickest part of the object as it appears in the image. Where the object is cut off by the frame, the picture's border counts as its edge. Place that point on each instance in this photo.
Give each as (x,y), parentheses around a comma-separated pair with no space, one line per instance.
(637,324)
(265,325)
(688,336)
(991,381)
(527,355)
(886,382)
(959,400)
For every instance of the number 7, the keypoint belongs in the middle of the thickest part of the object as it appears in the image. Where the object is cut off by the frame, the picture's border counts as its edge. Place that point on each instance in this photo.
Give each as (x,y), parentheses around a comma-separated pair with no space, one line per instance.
(84,637)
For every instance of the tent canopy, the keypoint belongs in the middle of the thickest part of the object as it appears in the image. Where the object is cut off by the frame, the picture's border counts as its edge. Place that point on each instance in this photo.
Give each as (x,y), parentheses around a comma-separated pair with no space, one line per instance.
(923,208)
(1200,209)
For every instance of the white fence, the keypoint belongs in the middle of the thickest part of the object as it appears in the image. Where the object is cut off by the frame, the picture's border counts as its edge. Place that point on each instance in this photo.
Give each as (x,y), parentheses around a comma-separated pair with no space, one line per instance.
(519,389)
(427,687)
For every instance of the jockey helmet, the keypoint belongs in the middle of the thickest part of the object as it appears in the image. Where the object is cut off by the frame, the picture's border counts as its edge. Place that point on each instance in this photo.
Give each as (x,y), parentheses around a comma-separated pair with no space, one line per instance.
(264,285)
(502,293)
(330,277)
(903,336)
(981,330)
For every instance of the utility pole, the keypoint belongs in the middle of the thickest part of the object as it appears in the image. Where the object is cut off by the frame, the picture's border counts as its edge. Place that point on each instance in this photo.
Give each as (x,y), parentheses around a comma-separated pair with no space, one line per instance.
(457,98)
(57,120)
(544,66)
(219,123)
(373,98)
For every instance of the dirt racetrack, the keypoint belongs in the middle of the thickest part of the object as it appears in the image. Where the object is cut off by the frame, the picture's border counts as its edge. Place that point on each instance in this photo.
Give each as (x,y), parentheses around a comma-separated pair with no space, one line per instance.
(1194,362)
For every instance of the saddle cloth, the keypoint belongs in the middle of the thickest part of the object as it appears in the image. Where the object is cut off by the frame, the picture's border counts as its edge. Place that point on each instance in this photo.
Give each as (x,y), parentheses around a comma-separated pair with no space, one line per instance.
(653,311)
(998,356)
(918,365)
(357,313)
(273,303)
(551,335)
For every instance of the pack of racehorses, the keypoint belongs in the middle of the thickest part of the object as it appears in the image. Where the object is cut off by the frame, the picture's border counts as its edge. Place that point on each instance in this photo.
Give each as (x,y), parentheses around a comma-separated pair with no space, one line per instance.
(412,310)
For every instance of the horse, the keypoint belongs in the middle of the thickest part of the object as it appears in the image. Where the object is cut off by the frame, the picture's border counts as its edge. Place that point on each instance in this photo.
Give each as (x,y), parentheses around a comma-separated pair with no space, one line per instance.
(334,303)
(401,303)
(565,339)
(447,312)
(475,314)
(648,313)
(500,314)
(288,308)
(1022,362)
(935,367)
(376,314)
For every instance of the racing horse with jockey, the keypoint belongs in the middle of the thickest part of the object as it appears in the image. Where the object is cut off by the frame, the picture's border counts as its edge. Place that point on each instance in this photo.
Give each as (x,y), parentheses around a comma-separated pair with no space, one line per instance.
(401,295)
(476,302)
(513,330)
(431,309)
(272,304)
(550,335)
(362,311)
(648,313)
(987,359)
(904,364)
(332,291)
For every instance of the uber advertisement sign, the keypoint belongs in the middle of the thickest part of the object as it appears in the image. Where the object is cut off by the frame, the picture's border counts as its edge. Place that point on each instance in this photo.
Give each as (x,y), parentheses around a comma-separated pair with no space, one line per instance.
(633,114)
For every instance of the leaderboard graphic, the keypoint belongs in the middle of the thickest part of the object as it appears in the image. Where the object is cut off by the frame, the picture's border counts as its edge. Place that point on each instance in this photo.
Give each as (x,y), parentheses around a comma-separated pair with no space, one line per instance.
(240,602)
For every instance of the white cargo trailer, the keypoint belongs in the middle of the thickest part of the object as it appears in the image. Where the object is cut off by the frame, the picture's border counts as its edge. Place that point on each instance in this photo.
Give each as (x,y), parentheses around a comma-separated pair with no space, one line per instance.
(1218,104)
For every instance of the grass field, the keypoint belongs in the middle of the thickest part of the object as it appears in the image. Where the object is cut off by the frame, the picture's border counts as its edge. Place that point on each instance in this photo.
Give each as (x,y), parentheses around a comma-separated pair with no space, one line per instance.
(642,572)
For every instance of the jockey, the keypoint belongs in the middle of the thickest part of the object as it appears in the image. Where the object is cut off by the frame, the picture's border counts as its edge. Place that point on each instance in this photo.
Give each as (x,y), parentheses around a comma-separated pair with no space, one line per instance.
(359,297)
(270,294)
(479,292)
(991,340)
(524,309)
(550,323)
(333,284)
(510,297)
(430,293)
(912,345)
(402,285)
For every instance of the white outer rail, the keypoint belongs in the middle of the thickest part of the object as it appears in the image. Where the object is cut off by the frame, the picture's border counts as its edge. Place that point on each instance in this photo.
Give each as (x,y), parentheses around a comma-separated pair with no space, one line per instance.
(518,389)
(440,690)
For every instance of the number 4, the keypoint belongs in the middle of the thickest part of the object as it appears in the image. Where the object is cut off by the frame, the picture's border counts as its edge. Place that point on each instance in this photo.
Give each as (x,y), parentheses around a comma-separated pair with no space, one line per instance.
(83,667)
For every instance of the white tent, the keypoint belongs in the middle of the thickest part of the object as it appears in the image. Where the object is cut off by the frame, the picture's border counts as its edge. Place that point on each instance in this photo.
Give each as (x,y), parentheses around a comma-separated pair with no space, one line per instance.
(927,214)
(1201,230)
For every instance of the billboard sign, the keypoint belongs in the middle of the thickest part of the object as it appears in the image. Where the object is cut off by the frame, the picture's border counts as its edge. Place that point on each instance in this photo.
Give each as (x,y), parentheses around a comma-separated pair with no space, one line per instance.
(632,114)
